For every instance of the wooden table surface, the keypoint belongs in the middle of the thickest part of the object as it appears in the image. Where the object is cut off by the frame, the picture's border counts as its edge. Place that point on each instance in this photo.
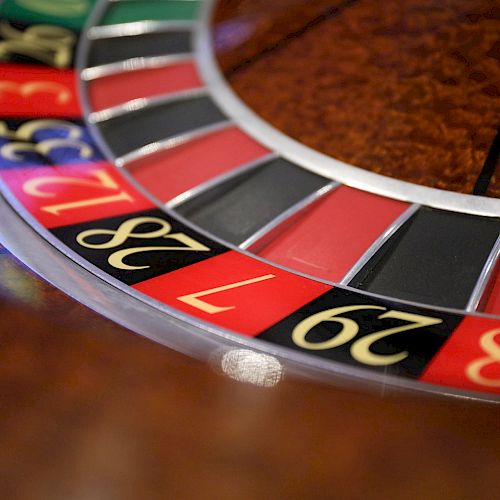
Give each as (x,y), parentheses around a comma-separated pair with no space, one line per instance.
(90,411)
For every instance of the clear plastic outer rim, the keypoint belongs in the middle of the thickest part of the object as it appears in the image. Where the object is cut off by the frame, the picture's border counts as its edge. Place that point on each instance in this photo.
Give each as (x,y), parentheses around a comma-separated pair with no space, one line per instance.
(183,334)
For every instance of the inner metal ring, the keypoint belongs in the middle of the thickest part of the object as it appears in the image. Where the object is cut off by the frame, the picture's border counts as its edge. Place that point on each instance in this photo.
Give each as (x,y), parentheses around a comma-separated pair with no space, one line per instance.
(310,159)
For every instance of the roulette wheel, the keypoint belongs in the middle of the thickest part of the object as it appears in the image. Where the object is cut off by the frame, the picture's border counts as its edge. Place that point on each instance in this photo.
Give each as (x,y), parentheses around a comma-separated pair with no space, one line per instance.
(214,177)
(217,178)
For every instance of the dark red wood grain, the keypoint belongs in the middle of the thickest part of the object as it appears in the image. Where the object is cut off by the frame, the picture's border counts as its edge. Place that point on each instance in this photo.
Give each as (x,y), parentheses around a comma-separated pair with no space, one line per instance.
(90,410)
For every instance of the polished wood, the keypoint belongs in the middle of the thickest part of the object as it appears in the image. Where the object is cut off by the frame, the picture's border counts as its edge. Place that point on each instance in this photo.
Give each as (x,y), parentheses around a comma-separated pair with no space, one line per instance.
(90,410)
(407,89)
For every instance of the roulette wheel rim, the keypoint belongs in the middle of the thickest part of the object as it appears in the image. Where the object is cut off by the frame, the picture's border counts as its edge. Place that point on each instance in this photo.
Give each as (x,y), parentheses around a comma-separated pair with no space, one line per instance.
(179,323)
(148,320)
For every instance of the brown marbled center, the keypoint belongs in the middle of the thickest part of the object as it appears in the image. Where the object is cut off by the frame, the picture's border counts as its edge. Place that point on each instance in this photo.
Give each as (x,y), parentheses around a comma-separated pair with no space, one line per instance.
(408,89)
